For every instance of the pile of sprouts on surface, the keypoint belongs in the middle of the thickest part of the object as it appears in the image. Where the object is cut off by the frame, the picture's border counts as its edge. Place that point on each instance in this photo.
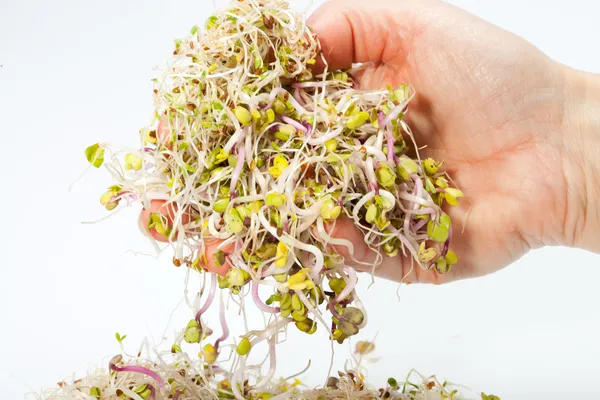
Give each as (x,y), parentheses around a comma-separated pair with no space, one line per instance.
(177,376)
(250,160)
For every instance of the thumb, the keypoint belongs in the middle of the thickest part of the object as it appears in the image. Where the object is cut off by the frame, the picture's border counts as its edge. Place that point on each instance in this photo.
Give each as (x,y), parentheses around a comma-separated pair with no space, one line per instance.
(357,31)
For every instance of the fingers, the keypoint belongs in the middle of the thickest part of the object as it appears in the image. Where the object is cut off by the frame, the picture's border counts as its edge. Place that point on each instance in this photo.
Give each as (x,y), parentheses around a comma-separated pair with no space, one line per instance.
(355,31)
(210,261)
(167,211)
(362,257)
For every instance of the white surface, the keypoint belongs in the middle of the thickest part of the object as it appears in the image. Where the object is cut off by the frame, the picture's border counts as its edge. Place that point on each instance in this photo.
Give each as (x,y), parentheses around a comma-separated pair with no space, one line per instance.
(74,72)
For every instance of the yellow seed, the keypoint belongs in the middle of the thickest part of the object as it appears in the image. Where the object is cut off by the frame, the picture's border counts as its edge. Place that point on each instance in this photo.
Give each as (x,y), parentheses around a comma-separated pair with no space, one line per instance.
(243,115)
(371,213)
(441,183)
(267,251)
(307,326)
(337,333)
(209,354)
(297,303)
(244,211)
(430,166)
(133,162)
(299,316)
(243,347)
(221,205)
(331,145)
(192,332)
(275,199)
(233,222)
(279,106)
(406,168)
(330,210)
(451,195)
(107,197)
(237,277)
(385,176)
(287,130)
(298,277)
(437,232)
(95,392)
(359,120)
(275,172)
(286,302)
(426,254)
(282,255)
(451,258)
(442,266)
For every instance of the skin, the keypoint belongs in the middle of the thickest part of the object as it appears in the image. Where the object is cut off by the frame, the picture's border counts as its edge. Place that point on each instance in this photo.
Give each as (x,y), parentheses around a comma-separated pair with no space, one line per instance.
(519,132)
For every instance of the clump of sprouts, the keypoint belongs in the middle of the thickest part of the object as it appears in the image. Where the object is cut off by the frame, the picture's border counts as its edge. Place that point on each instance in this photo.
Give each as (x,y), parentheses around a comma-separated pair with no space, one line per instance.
(250,160)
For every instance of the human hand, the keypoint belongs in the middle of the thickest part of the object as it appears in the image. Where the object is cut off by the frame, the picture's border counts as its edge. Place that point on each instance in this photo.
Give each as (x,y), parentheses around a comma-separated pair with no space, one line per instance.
(498,111)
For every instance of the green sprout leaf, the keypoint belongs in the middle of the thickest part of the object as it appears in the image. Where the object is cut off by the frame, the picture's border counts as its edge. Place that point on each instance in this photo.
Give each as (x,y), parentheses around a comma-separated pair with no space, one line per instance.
(95,155)
(120,338)
(95,392)
(193,332)
(243,347)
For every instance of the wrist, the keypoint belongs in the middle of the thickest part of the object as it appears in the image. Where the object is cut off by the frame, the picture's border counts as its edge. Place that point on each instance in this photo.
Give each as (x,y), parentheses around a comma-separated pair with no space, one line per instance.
(581,159)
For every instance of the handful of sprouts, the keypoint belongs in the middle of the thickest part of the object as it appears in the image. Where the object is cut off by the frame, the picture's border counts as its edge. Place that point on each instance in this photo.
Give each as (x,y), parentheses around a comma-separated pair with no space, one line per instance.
(250,160)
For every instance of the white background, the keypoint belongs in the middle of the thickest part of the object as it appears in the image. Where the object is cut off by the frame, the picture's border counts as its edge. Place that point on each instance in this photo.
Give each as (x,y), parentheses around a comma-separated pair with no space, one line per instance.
(75,72)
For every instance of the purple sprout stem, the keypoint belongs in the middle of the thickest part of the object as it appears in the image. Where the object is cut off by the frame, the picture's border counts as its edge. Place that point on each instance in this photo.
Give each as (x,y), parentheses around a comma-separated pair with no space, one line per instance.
(447,242)
(286,226)
(333,311)
(308,128)
(381,119)
(391,156)
(421,223)
(209,299)
(152,395)
(135,368)
(224,326)
(294,123)
(127,195)
(349,300)
(176,395)
(298,97)
(262,306)
(390,146)
(418,192)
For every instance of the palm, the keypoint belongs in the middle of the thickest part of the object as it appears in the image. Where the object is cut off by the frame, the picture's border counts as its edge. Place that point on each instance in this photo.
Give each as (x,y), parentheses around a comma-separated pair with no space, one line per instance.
(498,136)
